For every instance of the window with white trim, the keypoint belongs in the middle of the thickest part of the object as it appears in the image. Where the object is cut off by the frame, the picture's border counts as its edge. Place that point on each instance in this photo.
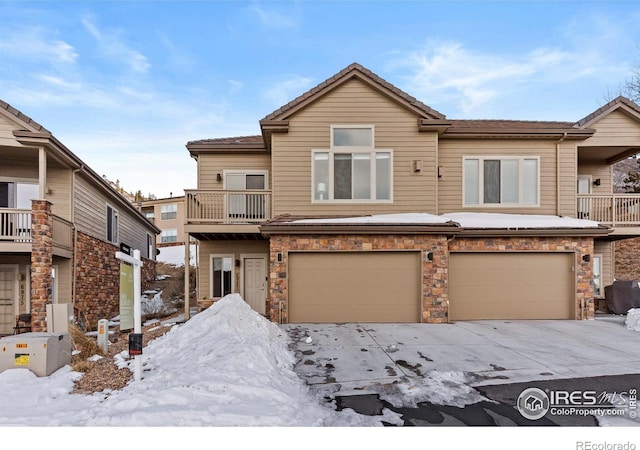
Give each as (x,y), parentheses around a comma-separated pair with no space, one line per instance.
(112,224)
(221,276)
(169,212)
(168,236)
(352,170)
(501,181)
(597,276)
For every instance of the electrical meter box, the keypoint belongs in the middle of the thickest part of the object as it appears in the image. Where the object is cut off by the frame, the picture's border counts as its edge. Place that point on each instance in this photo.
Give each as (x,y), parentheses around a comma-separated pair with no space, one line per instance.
(42,353)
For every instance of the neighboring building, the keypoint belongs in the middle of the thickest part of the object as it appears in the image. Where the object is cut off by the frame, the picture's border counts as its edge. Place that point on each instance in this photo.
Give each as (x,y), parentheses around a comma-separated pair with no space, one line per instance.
(359,203)
(168,215)
(60,227)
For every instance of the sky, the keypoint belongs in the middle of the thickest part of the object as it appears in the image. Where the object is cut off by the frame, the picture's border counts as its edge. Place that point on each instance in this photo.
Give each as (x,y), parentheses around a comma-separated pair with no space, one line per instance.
(228,368)
(126,84)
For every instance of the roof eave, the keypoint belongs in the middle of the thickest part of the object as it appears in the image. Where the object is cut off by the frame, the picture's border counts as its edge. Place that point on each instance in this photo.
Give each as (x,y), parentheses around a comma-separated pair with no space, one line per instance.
(343,228)
(526,133)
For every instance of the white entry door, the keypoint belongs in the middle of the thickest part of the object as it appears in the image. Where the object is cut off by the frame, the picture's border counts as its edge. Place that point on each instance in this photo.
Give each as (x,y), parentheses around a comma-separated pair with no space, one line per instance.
(255,283)
(7,296)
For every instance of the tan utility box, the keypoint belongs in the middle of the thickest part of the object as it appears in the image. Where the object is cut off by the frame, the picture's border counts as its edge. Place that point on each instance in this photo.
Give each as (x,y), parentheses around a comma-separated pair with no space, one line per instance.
(42,353)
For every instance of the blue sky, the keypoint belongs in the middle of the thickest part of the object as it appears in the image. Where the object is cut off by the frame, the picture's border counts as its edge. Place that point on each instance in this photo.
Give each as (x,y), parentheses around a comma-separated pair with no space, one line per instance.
(126,84)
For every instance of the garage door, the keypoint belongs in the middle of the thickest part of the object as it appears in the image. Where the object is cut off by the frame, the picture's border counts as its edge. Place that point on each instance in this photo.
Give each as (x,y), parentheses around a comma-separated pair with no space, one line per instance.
(355,287)
(511,286)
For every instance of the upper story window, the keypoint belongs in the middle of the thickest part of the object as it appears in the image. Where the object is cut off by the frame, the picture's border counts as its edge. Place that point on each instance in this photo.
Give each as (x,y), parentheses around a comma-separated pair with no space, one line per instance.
(352,169)
(501,181)
(169,212)
(168,236)
(112,224)
(150,215)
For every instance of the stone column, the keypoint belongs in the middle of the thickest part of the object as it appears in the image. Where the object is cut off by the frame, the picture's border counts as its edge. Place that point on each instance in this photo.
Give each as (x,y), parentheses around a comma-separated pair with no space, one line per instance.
(41,262)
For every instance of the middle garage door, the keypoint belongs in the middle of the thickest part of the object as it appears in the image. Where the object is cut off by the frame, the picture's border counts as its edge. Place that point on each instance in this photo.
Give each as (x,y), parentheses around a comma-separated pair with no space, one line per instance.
(511,286)
(355,287)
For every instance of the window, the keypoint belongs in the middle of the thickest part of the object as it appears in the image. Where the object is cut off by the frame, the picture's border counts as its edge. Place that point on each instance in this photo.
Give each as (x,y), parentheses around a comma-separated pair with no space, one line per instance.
(18,194)
(150,215)
(150,240)
(221,276)
(168,236)
(597,276)
(506,181)
(112,224)
(352,169)
(169,212)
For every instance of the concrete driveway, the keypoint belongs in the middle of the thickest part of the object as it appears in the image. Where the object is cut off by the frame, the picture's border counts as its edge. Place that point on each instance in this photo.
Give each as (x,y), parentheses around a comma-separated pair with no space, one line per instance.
(358,358)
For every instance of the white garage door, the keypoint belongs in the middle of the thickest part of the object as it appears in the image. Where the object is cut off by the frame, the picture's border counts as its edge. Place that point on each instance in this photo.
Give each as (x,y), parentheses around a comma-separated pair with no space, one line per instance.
(355,287)
(511,286)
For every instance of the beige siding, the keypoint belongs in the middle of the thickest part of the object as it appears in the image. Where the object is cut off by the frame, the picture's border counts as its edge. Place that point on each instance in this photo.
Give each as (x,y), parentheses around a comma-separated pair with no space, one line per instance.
(235,248)
(395,129)
(601,171)
(63,275)
(452,151)
(209,165)
(24,168)
(616,128)
(567,181)
(7,127)
(91,216)
(59,185)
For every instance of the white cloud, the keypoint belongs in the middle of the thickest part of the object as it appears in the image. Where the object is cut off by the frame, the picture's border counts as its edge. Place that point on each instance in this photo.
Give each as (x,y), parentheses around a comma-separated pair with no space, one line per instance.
(273,19)
(286,90)
(36,43)
(449,72)
(112,45)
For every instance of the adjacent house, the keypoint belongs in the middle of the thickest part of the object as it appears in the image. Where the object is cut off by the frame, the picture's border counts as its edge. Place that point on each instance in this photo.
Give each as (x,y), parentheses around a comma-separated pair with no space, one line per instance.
(60,227)
(168,215)
(359,203)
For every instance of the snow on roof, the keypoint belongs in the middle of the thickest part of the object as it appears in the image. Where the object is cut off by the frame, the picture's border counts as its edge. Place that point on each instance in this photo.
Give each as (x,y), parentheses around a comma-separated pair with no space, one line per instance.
(465,219)
(517,221)
(403,218)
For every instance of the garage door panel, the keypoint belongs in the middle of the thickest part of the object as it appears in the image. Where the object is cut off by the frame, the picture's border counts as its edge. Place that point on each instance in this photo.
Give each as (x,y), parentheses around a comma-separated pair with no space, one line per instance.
(511,286)
(355,287)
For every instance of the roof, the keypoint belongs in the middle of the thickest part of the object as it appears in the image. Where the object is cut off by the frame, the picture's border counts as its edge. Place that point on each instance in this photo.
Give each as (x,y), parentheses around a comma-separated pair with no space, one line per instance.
(608,107)
(23,117)
(354,70)
(238,144)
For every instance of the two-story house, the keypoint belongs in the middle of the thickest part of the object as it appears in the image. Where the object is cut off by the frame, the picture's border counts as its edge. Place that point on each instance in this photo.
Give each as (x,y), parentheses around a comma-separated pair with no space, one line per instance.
(60,227)
(359,203)
(168,215)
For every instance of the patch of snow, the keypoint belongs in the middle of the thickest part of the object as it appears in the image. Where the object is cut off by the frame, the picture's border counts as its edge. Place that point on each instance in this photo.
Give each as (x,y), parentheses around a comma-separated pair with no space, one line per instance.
(403,218)
(517,221)
(632,321)
(175,255)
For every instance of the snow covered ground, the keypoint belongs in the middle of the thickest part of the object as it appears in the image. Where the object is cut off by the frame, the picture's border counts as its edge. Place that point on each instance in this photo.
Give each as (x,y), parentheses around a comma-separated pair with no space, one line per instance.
(175,255)
(226,367)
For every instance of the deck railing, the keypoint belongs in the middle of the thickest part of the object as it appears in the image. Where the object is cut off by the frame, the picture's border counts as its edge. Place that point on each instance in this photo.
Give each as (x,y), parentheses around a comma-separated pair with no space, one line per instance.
(612,209)
(227,207)
(15,226)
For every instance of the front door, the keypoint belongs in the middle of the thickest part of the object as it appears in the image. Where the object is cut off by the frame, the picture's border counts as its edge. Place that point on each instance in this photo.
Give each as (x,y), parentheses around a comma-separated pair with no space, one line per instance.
(584,203)
(7,294)
(255,280)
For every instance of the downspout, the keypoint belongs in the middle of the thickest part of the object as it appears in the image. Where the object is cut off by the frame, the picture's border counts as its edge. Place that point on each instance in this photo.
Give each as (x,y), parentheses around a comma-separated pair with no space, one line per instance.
(75,238)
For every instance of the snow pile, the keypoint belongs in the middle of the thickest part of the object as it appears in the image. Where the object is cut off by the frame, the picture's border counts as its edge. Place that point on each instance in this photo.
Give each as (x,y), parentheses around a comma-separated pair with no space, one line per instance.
(632,322)
(517,221)
(175,255)
(405,218)
(227,366)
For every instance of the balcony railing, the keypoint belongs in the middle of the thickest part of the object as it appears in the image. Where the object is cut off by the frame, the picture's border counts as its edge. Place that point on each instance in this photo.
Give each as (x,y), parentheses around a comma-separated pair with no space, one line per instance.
(227,207)
(15,226)
(613,209)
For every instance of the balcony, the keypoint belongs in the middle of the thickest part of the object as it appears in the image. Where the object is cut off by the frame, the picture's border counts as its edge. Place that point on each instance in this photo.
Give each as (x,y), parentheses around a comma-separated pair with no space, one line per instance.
(15,232)
(616,210)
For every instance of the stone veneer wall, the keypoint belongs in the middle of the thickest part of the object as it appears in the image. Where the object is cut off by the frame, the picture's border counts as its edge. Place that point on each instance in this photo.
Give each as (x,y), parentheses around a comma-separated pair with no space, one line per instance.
(97,290)
(627,259)
(581,247)
(41,263)
(434,284)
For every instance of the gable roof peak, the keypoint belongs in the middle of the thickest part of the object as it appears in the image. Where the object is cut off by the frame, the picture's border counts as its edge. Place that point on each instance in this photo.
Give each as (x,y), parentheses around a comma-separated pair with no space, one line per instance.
(354,70)
(608,107)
